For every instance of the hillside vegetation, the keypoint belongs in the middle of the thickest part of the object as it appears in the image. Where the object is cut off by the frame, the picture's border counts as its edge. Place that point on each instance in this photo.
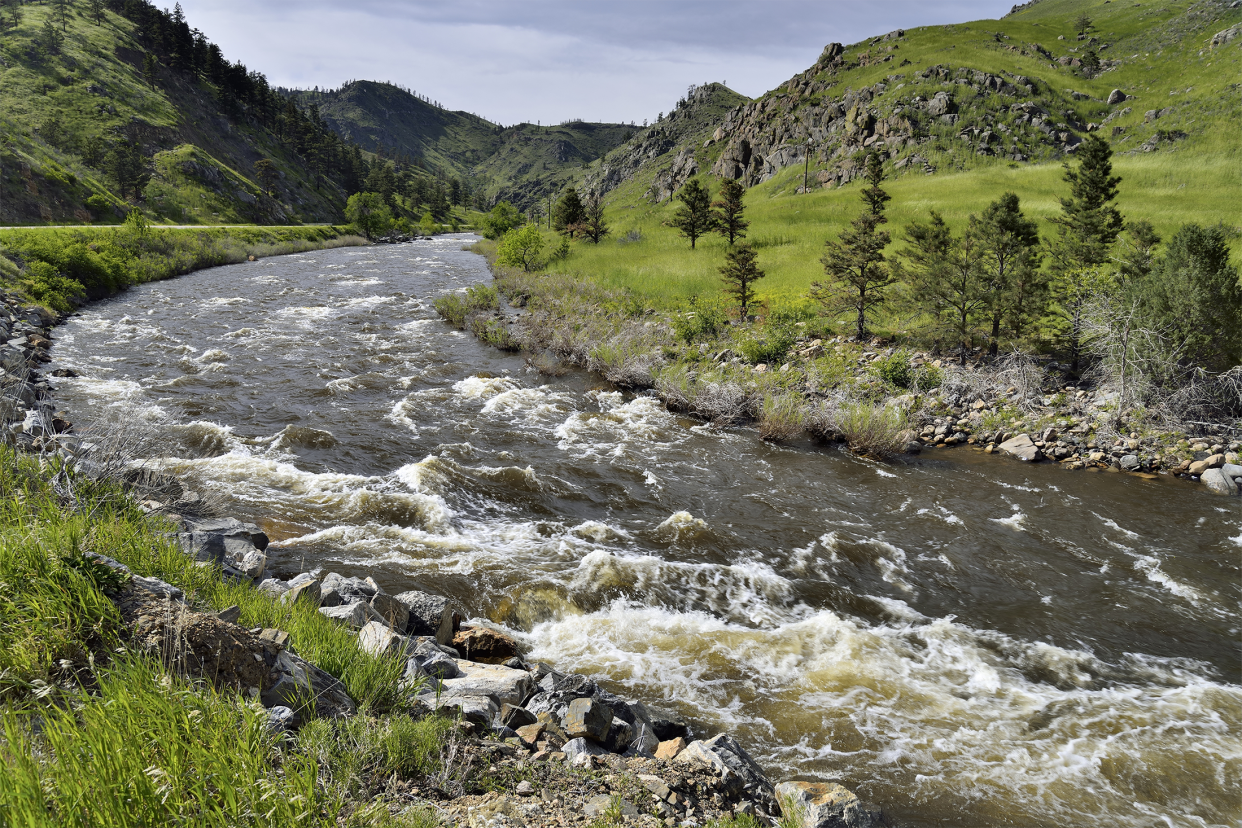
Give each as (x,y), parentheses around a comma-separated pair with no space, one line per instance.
(522,164)
(1013,115)
(128,107)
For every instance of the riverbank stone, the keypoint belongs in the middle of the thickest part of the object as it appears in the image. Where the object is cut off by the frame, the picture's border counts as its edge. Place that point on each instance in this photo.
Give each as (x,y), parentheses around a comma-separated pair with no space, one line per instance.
(587,718)
(825,805)
(1217,481)
(582,747)
(378,639)
(500,684)
(428,615)
(357,615)
(1022,447)
(485,645)
(732,763)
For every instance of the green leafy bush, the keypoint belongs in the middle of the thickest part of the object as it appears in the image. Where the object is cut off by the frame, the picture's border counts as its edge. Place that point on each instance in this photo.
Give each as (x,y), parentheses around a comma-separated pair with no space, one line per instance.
(769,344)
(46,286)
(702,324)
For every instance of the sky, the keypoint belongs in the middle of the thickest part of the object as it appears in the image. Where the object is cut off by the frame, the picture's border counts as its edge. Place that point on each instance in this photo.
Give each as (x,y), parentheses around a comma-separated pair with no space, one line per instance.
(554,60)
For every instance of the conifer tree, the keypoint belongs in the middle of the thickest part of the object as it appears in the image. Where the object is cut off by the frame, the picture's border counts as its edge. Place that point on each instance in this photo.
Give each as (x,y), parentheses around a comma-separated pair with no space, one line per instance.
(593,225)
(1009,258)
(693,217)
(1086,229)
(947,275)
(568,213)
(858,274)
(729,207)
(740,274)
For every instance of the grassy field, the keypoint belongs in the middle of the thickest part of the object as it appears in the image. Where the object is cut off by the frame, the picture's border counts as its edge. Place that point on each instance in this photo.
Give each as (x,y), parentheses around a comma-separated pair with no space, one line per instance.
(1168,189)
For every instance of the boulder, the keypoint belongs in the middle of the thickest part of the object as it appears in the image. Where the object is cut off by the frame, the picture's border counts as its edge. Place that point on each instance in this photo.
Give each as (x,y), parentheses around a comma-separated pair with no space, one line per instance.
(378,639)
(940,104)
(665,724)
(620,736)
(824,805)
(516,717)
(582,747)
(300,681)
(1232,470)
(485,645)
(644,742)
(501,684)
(1021,447)
(356,615)
(556,701)
(1129,462)
(1213,462)
(305,591)
(531,734)
(392,611)
(587,718)
(670,749)
(1218,482)
(1116,97)
(730,760)
(350,590)
(478,710)
(428,615)
(229,528)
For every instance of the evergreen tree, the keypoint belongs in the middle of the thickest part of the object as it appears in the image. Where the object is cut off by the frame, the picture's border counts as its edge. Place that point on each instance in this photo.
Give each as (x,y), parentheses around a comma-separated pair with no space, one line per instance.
(97,10)
(265,172)
(1137,256)
(740,274)
(62,8)
(1010,260)
(694,217)
(438,203)
(149,67)
(1083,24)
(369,213)
(1193,294)
(1086,229)
(128,168)
(858,274)
(729,207)
(568,213)
(948,277)
(592,225)
(50,39)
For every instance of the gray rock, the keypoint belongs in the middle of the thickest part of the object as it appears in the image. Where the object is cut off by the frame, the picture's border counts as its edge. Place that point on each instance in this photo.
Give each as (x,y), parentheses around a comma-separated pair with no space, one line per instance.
(940,104)
(351,590)
(1021,447)
(1116,97)
(644,743)
(440,666)
(301,682)
(731,761)
(356,615)
(493,681)
(1217,482)
(305,591)
(556,701)
(620,736)
(513,716)
(393,611)
(378,639)
(665,724)
(280,719)
(478,710)
(587,718)
(1232,471)
(161,588)
(428,615)
(1129,462)
(230,528)
(582,747)
(826,805)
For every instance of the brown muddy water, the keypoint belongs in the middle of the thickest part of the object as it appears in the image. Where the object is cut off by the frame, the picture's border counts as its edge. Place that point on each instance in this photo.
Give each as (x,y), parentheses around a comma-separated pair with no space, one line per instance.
(963,639)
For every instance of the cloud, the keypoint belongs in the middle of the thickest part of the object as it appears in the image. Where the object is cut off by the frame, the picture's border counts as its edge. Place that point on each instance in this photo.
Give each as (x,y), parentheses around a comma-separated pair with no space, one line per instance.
(551,60)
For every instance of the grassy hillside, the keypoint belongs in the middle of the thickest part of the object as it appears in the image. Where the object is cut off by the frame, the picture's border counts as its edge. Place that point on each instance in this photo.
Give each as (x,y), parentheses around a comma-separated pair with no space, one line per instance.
(63,108)
(522,164)
(1164,63)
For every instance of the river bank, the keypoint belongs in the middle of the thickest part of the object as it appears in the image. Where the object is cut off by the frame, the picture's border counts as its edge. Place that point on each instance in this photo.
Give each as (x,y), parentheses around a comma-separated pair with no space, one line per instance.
(790,381)
(791,594)
(208,610)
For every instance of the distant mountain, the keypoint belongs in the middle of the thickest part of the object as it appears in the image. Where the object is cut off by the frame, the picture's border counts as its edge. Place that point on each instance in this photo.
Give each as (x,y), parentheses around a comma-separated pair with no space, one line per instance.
(1152,77)
(522,164)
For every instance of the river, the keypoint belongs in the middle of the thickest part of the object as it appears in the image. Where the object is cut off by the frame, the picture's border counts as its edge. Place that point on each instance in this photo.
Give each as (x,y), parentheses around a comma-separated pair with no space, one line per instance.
(963,639)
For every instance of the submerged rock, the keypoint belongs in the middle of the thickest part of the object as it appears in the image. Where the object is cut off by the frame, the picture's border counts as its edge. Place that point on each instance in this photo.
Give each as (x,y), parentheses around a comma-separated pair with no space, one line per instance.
(825,805)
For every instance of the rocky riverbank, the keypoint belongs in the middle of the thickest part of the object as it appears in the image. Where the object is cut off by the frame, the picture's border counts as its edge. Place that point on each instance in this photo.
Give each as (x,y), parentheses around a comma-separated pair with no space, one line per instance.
(540,747)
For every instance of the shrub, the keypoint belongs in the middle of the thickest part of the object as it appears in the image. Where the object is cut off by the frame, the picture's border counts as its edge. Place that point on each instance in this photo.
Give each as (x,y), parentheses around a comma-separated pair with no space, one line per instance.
(521,248)
(100,205)
(47,287)
(869,429)
(456,308)
(702,324)
(783,416)
(502,218)
(493,331)
(894,369)
(770,344)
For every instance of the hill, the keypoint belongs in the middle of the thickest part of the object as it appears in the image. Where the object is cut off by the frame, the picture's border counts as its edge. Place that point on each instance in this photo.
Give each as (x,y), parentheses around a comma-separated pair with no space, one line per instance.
(960,114)
(130,104)
(522,164)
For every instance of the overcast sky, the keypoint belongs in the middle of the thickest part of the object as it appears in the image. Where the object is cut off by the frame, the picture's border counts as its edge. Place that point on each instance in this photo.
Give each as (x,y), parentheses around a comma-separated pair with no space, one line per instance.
(552,60)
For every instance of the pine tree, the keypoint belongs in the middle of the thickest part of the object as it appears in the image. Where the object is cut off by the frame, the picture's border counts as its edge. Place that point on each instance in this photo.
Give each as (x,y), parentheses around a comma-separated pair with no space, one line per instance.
(1010,260)
(265,172)
(568,213)
(50,39)
(593,225)
(729,207)
(1086,229)
(149,68)
(693,218)
(97,10)
(948,278)
(62,8)
(740,274)
(858,274)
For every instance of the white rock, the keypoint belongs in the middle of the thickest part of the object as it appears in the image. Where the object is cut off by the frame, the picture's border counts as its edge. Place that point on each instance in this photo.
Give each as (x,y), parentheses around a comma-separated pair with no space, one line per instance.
(499,683)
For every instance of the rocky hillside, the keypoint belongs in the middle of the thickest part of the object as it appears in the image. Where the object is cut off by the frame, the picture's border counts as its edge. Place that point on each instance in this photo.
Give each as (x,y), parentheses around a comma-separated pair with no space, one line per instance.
(118,82)
(1019,90)
(523,163)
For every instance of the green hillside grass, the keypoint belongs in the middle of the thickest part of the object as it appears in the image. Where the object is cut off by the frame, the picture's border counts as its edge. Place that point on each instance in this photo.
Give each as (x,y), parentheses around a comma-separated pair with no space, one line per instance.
(55,107)
(1192,180)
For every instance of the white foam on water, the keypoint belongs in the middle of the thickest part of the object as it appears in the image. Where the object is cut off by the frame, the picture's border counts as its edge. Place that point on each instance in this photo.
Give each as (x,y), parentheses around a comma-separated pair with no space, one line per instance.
(682,526)
(220,301)
(883,473)
(1112,524)
(532,404)
(1016,521)
(892,564)
(935,707)
(1149,566)
(483,387)
(941,513)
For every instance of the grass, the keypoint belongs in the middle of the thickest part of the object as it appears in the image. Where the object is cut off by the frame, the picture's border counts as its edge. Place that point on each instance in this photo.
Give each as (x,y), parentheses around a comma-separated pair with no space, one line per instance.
(59,268)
